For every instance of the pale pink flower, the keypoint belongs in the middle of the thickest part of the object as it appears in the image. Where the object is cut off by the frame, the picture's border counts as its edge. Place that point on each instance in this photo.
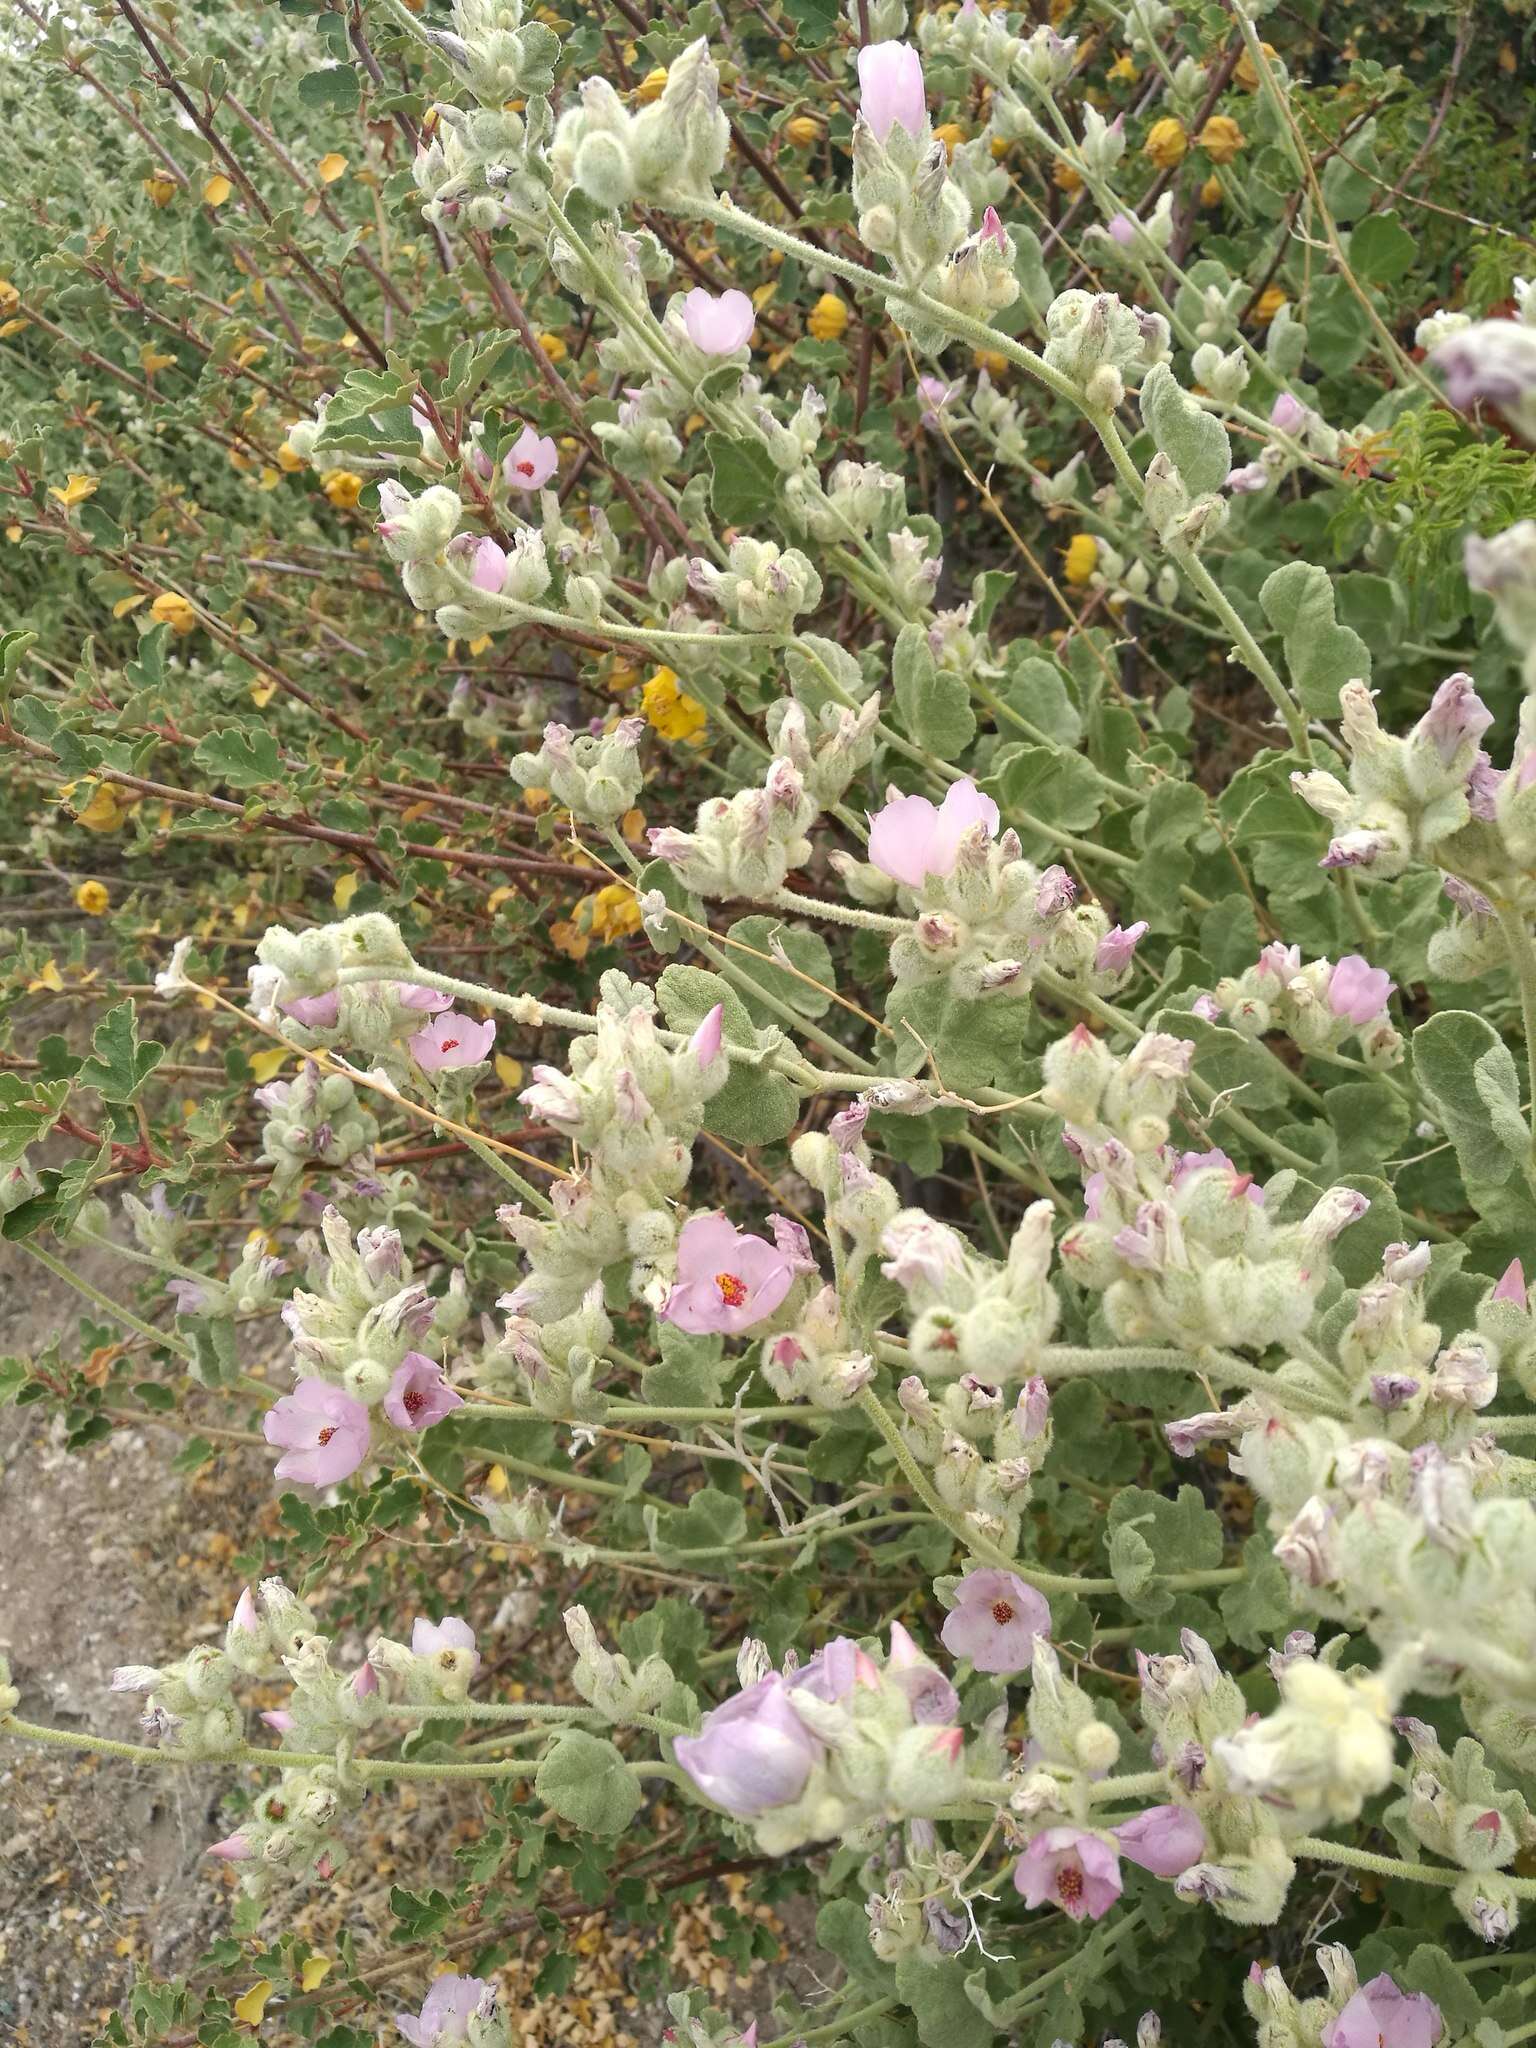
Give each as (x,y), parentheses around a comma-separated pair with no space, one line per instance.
(936,394)
(530,462)
(315,1013)
(280,1719)
(1115,950)
(1164,1839)
(418,1394)
(1122,228)
(451,1040)
(1288,414)
(447,2010)
(435,1638)
(753,1753)
(1070,1868)
(322,1432)
(931,1700)
(1381,2016)
(718,326)
(995,1621)
(727,1280)
(1357,990)
(891,89)
(705,1042)
(233,1849)
(488,569)
(911,838)
(412,996)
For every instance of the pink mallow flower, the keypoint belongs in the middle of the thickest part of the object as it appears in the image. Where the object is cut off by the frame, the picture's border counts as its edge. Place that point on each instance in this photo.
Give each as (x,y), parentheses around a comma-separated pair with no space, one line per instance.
(727,1280)
(751,1754)
(995,1620)
(451,1040)
(447,2010)
(718,326)
(412,996)
(418,1394)
(233,1849)
(1357,990)
(1115,950)
(530,462)
(441,1638)
(911,839)
(936,394)
(315,1013)
(1381,2016)
(891,89)
(488,566)
(1070,1868)
(1164,1839)
(322,1432)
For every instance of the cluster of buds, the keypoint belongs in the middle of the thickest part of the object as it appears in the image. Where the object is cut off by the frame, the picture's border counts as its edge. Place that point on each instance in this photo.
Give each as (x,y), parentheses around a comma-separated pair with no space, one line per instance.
(669,151)
(982,1453)
(642,442)
(316,1117)
(857,499)
(762,589)
(969,1314)
(596,776)
(634,1106)
(839,1745)
(483,168)
(909,208)
(362,1313)
(1318,1005)
(1097,342)
(610,1682)
(744,846)
(554,1362)
(1324,1751)
(1406,798)
(497,54)
(251,1286)
(290,965)
(1455,1807)
(826,748)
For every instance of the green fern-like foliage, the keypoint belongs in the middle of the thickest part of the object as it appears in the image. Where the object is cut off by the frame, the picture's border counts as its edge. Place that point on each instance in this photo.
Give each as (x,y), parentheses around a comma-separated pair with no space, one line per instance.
(1441,480)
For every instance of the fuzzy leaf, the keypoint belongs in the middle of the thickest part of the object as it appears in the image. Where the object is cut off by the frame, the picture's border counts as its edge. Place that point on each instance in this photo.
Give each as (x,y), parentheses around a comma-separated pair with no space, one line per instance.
(1193,439)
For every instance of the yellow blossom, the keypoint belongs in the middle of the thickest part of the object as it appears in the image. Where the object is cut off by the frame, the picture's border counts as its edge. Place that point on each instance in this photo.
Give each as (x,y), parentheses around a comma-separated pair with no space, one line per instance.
(161,189)
(1124,67)
(1270,302)
(1245,74)
(330,168)
(951,134)
(342,487)
(1166,143)
(998,148)
(106,810)
(76,491)
(553,347)
(172,610)
(1221,138)
(568,938)
(289,458)
(10,298)
(615,911)
(669,709)
(652,86)
(828,318)
(93,898)
(216,191)
(991,361)
(803,131)
(1080,558)
(1211,193)
(1065,178)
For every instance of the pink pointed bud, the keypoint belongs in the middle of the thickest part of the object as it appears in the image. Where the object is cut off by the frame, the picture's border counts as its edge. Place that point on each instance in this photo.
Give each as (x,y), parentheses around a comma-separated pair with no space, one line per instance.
(948,1743)
(233,1849)
(891,89)
(705,1042)
(365,1680)
(1122,229)
(1511,1286)
(992,229)
(245,1616)
(280,1719)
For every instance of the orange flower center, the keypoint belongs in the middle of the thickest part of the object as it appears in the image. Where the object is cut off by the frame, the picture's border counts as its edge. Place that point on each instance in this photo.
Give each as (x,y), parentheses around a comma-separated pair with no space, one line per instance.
(1002,1613)
(325,1436)
(733,1291)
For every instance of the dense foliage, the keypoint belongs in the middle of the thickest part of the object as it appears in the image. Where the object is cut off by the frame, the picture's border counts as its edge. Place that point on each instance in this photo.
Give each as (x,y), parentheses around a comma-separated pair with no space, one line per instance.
(769,862)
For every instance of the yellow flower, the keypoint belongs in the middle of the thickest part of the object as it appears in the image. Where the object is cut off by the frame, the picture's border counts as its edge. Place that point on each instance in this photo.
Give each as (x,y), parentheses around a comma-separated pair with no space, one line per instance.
(1080,558)
(568,938)
(107,809)
(342,487)
(1270,302)
(621,677)
(803,131)
(1221,138)
(652,86)
(989,360)
(669,709)
(76,491)
(951,134)
(1065,179)
(1124,67)
(93,898)
(216,191)
(173,611)
(553,347)
(10,298)
(1166,143)
(828,318)
(615,911)
(1211,193)
(330,168)
(1245,74)
(161,189)
(289,458)
(998,148)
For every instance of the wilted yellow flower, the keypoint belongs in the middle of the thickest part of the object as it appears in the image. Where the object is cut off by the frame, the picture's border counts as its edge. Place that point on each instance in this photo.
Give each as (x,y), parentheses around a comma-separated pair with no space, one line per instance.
(991,361)
(951,134)
(803,131)
(93,898)
(106,810)
(1211,193)
(173,611)
(342,487)
(1080,558)
(1124,67)
(1270,302)
(76,491)
(615,911)
(568,938)
(216,191)
(1245,74)
(1065,178)
(289,458)
(161,189)
(1221,138)
(330,168)
(998,149)
(553,347)
(669,709)
(10,298)
(828,318)
(652,86)
(1166,143)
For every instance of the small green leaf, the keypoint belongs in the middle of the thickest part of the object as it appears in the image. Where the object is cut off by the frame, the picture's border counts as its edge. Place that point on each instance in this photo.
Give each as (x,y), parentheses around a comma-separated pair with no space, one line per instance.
(242,757)
(584,1780)
(120,1062)
(934,703)
(1193,439)
(744,484)
(1322,656)
(334,90)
